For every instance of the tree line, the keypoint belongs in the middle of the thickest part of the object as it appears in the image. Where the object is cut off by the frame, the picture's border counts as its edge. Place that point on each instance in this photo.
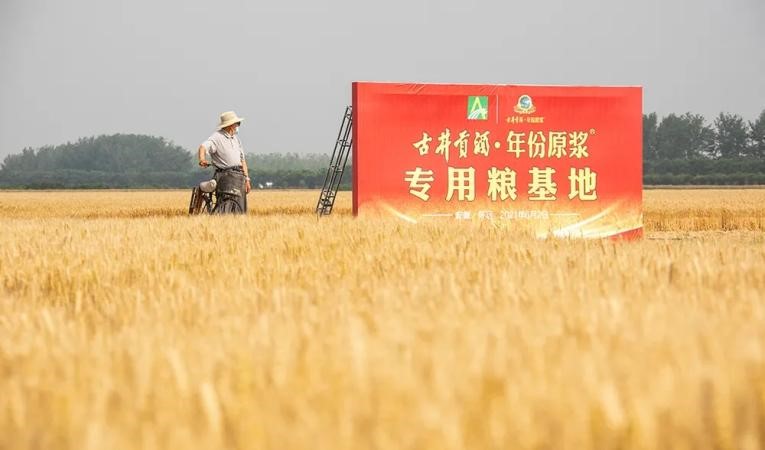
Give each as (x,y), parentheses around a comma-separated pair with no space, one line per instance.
(139,161)
(688,136)
(677,149)
(685,149)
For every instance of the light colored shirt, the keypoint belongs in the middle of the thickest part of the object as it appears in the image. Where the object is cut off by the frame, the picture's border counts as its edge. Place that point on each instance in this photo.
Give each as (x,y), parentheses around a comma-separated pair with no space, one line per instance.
(225,151)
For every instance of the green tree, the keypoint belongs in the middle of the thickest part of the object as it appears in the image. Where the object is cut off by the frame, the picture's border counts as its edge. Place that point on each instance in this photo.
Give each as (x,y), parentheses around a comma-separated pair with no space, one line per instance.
(288,161)
(731,136)
(650,124)
(26,160)
(757,137)
(685,136)
(702,136)
(670,140)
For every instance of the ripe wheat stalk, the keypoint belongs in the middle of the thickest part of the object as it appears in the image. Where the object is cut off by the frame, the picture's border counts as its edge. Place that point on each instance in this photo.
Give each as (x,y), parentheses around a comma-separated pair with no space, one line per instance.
(125,324)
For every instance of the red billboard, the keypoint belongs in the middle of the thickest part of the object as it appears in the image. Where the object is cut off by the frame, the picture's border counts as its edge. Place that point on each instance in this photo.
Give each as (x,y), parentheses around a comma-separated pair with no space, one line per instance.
(561,161)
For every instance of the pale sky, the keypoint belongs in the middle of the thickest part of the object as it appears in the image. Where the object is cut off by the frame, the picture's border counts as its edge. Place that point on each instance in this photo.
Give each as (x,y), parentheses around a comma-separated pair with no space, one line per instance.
(76,68)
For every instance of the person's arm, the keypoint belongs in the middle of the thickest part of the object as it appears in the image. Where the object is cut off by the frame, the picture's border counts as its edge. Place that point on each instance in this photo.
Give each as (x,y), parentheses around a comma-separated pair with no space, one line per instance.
(202,161)
(247,185)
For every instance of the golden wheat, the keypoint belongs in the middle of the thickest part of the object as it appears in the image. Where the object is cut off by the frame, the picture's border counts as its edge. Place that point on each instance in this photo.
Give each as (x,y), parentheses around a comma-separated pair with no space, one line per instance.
(705,210)
(125,324)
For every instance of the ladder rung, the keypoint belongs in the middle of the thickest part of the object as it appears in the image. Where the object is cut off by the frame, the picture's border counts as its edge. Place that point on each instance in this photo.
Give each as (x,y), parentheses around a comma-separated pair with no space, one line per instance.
(336,165)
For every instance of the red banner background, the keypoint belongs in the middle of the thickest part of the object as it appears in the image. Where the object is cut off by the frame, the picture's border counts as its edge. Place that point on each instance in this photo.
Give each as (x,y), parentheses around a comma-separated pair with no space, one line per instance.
(601,128)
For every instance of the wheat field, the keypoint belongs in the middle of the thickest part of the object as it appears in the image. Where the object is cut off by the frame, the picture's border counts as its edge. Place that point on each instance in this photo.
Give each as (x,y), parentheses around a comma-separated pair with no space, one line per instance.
(125,324)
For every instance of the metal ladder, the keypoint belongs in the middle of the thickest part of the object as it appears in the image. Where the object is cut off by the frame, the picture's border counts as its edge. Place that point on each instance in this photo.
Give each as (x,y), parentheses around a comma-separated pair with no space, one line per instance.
(336,165)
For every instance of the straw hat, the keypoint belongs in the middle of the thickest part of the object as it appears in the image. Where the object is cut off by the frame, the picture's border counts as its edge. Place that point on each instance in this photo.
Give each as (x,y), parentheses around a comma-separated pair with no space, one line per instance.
(229,118)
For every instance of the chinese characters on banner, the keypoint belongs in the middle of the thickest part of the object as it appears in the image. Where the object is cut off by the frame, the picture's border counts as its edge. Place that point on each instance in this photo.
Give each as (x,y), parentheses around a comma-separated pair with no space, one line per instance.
(502,181)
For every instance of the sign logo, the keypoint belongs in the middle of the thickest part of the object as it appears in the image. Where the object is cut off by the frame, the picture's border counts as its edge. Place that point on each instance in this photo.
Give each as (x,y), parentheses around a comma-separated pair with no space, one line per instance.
(478,108)
(525,105)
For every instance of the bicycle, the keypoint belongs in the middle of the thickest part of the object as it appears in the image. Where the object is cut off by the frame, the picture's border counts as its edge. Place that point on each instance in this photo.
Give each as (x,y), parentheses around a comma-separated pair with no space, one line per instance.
(219,195)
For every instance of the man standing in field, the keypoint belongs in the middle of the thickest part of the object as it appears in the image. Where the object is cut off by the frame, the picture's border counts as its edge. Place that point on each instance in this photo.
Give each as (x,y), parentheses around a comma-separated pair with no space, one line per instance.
(227,154)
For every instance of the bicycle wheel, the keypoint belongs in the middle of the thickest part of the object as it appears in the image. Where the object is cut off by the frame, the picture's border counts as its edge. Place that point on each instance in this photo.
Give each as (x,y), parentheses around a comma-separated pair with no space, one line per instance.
(227,204)
(195,205)
(207,206)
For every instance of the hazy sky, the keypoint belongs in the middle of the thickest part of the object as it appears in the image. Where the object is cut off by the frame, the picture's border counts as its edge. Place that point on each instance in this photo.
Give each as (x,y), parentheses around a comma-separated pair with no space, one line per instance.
(167,68)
